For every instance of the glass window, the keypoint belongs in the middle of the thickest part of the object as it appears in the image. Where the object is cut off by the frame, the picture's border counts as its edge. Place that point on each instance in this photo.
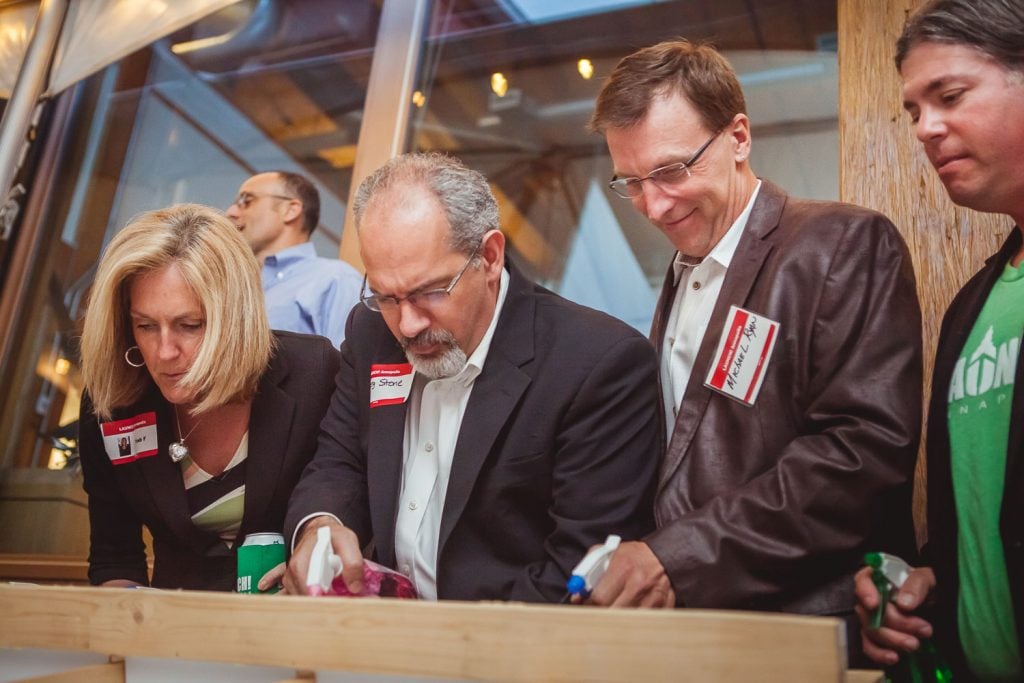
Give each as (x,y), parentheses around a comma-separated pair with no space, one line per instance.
(258,86)
(509,85)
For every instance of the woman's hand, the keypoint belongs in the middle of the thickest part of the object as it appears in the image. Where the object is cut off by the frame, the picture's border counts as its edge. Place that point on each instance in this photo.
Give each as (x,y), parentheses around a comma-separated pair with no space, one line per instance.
(272,578)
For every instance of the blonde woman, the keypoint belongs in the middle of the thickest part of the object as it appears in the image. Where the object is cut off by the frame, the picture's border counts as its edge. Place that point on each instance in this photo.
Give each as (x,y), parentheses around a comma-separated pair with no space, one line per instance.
(221,414)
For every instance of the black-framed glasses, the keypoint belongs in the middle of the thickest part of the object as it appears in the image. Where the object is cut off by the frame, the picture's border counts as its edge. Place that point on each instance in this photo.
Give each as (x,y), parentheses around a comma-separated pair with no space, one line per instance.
(244,199)
(665,177)
(423,299)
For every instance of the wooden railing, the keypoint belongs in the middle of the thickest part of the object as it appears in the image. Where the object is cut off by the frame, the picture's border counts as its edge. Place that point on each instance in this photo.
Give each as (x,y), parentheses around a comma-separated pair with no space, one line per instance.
(317,637)
(40,568)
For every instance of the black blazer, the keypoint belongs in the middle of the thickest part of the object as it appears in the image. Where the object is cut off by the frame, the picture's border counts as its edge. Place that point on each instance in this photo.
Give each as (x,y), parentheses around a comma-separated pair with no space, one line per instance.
(558,448)
(292,397)
(941,551)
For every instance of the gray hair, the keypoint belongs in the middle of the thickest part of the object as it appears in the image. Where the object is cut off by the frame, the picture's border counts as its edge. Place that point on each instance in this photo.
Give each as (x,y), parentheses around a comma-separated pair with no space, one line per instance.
(463,193)
(995,27)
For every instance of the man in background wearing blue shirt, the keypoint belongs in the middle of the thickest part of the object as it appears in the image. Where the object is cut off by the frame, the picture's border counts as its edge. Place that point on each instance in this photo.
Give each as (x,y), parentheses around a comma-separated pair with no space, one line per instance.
(277,213)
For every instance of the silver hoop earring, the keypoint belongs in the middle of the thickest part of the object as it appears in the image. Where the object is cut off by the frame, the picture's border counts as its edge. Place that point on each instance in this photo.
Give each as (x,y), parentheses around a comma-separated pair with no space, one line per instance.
(128,360)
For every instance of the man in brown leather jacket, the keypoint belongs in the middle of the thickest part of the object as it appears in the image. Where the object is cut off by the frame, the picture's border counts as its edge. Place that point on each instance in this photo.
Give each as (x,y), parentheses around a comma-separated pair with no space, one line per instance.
(789,334)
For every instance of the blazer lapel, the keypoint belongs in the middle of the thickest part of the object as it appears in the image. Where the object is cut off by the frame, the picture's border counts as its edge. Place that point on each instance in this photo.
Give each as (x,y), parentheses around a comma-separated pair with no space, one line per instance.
(1013,506)
(947,356)
(950,354)
(495,394)
(384,458)
(751,252)
(270,424)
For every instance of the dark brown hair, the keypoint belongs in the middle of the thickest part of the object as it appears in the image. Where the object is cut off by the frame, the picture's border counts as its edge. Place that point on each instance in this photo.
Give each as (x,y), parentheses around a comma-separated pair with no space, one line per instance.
(305,192)
(995,27)
(695,70)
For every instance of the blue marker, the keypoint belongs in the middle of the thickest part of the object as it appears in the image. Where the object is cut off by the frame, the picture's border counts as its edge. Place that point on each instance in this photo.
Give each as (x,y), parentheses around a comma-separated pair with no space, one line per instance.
(592,567)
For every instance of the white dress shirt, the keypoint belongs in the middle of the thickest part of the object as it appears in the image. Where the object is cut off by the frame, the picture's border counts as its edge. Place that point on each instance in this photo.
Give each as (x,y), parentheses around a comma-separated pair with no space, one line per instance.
(432,425)
(697,288)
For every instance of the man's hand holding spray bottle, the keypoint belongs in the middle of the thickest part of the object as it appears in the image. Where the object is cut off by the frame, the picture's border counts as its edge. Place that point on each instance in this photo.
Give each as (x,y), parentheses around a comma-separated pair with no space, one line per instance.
(324,574)
(591,568)
(926,664)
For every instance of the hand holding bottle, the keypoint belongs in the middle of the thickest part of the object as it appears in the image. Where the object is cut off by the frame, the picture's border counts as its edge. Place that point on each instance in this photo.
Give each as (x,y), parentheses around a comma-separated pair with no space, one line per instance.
(888,624)
(899,630)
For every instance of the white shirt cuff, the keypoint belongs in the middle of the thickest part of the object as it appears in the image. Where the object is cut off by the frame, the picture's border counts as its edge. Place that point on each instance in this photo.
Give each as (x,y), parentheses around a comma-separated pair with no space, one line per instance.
(302,523)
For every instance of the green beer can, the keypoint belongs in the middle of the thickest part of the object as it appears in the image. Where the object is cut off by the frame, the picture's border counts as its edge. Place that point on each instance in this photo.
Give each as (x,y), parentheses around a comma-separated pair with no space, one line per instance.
(256,556)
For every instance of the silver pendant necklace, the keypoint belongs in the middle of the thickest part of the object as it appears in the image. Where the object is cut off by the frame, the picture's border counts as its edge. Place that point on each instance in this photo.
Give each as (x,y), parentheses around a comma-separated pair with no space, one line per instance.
(178,450)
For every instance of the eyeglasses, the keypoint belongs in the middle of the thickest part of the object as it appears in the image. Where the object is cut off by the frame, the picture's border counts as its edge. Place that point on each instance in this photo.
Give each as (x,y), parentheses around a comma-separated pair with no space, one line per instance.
(244,199)
(423,299)
(665,177)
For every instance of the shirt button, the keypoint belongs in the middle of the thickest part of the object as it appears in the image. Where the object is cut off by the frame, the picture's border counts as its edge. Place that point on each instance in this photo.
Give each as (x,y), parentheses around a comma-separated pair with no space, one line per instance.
(428,447)
(696,285)
(405,569)
(280,276)
(412,504)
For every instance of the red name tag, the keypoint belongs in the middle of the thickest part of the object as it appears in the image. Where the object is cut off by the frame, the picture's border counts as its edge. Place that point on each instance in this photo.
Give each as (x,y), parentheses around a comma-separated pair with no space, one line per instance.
(743,353)
(128,440)
(390,384)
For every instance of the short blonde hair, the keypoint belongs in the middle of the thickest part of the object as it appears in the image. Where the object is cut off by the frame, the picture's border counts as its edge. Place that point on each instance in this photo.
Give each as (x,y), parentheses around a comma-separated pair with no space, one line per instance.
(222,271)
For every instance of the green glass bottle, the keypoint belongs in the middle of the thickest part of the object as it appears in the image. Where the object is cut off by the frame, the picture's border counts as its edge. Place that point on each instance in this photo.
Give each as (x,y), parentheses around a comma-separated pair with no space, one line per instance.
(926,664)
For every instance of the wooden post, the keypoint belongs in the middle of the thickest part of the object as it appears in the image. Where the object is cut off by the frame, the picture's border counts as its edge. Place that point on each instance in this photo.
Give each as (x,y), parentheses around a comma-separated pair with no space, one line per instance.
(882,166)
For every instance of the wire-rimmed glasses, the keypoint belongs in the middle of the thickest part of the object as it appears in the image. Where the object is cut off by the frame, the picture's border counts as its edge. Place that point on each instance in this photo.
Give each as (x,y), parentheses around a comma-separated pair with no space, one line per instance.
(423,299)
(666,177)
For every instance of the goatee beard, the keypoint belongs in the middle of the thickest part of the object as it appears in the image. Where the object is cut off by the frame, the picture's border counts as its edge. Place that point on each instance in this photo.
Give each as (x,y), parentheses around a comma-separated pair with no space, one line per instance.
(449,363)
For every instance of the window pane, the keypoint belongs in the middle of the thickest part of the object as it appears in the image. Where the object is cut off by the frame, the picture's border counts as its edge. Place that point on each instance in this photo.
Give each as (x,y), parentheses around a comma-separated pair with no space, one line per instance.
(503,85)
(258,86)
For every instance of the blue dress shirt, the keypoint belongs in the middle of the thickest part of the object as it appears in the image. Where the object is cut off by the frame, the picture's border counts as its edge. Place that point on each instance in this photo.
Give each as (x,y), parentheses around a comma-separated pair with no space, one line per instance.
(306,293)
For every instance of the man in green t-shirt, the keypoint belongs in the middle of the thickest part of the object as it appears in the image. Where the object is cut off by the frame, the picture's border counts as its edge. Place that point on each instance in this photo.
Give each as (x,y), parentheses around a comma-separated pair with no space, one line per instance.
(962,63)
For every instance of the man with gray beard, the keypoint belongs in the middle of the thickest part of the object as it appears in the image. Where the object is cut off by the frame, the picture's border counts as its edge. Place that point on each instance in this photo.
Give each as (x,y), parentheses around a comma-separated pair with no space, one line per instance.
(484,432)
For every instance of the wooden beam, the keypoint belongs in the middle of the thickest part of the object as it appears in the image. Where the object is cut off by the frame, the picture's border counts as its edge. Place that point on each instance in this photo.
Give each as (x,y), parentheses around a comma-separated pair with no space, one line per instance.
(110,672)
(864,676)
(305,676)
(882,166)
(389,98)
(27,567)
(477,641)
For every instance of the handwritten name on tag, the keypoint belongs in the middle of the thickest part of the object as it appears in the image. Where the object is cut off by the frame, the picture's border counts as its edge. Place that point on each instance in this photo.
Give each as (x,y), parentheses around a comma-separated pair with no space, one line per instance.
(128,440)
(743,353)
(390,384)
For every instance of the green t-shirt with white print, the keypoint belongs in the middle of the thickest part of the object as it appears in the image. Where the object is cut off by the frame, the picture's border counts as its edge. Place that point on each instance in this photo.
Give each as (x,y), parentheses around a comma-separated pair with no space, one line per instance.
(980,400)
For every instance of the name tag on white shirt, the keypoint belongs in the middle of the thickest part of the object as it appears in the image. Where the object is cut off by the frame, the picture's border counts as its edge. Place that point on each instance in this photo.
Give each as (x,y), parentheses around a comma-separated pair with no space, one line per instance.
(390,384)
(744,351)
(128,440)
